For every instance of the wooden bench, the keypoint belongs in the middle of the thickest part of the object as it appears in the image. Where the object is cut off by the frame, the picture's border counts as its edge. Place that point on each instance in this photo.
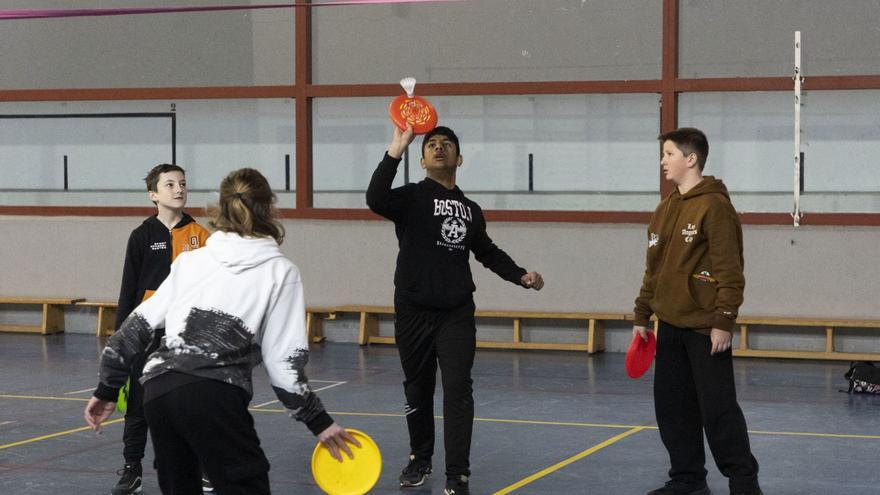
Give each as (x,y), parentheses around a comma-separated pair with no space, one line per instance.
(315,322)
(368,331)
(743,324)
(53,314)
(107,319)
(106,324)
(828,324)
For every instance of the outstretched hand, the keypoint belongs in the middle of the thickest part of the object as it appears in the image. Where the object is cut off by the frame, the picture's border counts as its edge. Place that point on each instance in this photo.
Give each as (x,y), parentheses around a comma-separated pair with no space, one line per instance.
(532,280)
(400,141)
(97,411)
(335,438)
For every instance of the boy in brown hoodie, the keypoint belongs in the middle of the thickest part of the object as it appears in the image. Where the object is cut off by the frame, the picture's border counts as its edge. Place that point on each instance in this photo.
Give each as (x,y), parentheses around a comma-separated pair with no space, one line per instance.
(694,284)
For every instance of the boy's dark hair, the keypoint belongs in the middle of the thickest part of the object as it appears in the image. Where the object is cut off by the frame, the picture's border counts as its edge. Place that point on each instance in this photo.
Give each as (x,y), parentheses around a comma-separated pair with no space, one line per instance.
(442,131)
(689,140)
(152,178)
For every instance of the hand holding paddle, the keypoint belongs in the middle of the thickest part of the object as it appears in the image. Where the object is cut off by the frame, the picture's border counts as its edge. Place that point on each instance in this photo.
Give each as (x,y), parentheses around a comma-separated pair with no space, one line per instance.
(641,352)
(337,475)
(400,141)
(641,332)
(334,438)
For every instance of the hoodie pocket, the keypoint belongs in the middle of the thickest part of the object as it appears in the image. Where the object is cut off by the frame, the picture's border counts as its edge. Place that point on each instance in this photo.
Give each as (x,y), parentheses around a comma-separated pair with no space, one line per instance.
(672,294)
(702,288)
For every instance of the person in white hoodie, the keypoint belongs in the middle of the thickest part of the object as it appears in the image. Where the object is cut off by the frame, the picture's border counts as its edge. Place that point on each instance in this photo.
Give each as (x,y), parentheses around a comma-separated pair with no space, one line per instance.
(225,308)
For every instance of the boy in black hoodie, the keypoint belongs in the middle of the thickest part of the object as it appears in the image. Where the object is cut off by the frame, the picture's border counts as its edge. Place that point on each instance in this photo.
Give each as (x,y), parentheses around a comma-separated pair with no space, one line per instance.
(152,247)
(437,227)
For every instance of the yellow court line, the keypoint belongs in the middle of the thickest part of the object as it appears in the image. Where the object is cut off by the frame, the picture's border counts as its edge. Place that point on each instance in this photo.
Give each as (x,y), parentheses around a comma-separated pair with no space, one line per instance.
(807,434)
(38,397)
(338,413)
(510,421)
(52,435)
(559,465)
(485,420)
(558,423)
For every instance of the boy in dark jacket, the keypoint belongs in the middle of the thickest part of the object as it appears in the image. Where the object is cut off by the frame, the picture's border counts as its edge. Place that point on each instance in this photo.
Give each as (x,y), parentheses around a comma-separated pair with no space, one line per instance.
(151,249)
(694,284)
(437,227)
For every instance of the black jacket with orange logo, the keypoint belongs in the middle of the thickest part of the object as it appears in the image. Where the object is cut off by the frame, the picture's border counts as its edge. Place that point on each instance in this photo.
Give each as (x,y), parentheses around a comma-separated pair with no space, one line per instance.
(151,249)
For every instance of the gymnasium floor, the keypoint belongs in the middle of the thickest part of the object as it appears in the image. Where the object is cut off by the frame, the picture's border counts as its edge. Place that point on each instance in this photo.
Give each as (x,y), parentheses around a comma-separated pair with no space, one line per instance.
(548,423)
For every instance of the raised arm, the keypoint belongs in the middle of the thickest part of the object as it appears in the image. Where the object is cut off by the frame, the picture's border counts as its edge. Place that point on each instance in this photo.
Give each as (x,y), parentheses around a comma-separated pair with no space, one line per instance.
(384,201)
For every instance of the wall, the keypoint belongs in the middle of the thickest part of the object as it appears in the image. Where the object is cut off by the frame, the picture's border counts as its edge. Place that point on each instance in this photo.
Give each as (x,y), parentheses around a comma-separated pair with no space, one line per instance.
(805,272)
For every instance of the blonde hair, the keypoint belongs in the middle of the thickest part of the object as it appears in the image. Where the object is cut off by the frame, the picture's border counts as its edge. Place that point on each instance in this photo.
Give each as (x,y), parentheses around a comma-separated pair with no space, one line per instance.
(247,206)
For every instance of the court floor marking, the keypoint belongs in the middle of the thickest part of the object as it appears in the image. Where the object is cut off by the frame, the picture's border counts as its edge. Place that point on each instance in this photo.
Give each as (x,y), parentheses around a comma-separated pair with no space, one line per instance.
(334,384)
(592,425)
(90,389)
(58,434)
(808,434)
(501,420)
(559,465)
(39,397)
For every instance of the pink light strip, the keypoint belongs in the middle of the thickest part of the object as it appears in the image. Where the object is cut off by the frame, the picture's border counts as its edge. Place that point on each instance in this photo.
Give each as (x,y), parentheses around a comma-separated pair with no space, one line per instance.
(52,13)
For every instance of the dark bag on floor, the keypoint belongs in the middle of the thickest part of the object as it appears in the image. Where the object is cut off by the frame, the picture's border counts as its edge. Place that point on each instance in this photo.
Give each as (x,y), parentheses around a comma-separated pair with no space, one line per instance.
(864,378)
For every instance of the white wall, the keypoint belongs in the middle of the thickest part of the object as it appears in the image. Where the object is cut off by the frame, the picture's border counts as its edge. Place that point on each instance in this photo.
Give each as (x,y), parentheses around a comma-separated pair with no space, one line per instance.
(805,272)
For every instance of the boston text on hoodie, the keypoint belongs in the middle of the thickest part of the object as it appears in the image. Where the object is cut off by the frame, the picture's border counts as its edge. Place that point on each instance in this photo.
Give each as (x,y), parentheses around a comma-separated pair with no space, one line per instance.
(436,229)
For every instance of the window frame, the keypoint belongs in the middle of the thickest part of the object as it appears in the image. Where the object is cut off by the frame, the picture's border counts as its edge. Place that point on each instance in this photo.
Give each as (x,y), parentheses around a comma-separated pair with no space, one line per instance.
(303,92)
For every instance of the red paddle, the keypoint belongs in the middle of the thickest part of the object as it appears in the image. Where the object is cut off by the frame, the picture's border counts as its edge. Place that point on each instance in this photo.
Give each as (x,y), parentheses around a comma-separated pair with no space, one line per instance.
(640,355)
(412,109)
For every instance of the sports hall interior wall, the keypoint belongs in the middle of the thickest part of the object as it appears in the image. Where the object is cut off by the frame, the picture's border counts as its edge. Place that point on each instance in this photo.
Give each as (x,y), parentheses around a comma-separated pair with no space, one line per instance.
(823,272)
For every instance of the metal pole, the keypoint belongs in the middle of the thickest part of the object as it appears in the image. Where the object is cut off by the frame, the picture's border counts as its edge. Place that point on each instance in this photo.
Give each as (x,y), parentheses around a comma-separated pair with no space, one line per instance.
(531,172)
(796,215)
(287,172)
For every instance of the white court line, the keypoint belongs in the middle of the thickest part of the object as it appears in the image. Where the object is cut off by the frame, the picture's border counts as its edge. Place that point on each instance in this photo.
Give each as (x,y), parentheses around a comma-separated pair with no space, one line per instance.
(335,384)
(90,389)
(7,423)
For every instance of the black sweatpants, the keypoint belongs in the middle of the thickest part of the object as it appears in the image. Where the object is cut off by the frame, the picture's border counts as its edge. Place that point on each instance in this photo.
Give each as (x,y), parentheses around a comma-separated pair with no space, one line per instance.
(206,424)
(426,338)
(134,435)
(694,391)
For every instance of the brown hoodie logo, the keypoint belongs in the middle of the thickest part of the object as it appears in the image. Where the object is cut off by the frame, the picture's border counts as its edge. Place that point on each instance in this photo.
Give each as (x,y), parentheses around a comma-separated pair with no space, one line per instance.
(689,232)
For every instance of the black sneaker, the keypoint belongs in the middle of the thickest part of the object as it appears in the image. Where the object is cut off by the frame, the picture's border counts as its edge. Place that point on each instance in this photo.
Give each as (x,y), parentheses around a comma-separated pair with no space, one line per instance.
(679,488)
(130,482)
(753,491)
(457,486)
(415,473)
(207,486)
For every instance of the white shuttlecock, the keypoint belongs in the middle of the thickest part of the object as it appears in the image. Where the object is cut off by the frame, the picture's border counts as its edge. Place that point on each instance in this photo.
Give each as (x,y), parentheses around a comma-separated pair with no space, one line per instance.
(409,85)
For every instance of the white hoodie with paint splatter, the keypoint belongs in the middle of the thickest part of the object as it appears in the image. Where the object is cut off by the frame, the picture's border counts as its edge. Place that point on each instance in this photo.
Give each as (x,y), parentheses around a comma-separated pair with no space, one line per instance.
(225,308)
